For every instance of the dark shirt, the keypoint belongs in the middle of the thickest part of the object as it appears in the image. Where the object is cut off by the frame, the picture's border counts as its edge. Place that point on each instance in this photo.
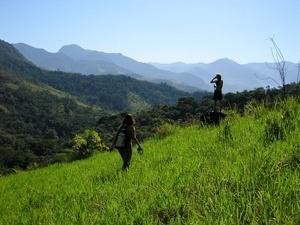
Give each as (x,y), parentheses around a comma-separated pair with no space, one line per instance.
(131,134)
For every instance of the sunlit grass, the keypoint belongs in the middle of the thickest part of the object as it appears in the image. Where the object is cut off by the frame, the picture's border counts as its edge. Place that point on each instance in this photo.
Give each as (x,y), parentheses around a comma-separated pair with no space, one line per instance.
(198,175)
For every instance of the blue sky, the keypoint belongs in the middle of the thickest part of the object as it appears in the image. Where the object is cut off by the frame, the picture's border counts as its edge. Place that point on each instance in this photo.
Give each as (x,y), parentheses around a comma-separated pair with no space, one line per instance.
(158,30)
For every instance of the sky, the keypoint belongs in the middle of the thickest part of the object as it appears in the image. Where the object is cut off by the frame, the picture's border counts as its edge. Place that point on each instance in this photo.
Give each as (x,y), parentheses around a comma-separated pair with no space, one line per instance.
(158,30)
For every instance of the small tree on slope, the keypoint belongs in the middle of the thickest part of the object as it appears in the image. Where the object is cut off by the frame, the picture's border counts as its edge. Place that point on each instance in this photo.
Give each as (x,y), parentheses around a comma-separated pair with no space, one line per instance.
(88,142)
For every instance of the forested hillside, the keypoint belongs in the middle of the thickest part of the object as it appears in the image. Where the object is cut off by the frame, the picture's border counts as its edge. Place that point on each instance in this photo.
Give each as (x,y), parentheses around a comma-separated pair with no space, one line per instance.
(115,93)
(41,111)
(37,121)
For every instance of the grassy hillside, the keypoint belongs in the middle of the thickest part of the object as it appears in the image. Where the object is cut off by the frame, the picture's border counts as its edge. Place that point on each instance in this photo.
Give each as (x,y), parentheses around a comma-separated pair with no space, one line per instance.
(245,171)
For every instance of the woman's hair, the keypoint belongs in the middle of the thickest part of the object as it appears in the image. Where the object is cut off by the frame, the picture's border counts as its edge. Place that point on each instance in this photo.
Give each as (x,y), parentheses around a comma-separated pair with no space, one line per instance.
(128,120)
(218,76)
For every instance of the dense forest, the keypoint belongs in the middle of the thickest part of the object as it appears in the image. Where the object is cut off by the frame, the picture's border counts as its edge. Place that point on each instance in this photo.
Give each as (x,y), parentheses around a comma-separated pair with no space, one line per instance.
(37,121)
(116,93)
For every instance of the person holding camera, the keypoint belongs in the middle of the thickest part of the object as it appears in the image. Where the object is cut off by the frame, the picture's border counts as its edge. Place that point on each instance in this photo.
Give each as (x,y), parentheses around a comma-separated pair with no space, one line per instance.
(123,140)
(218,96)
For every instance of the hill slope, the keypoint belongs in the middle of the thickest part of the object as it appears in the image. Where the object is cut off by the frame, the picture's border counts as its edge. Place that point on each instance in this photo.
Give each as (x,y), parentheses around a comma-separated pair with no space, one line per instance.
(115,93)
(239,173)
(36,120)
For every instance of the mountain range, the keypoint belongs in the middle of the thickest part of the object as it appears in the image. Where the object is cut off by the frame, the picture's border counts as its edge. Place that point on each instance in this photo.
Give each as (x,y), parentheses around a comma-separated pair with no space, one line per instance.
(237,77)
(73,58)
(184,76)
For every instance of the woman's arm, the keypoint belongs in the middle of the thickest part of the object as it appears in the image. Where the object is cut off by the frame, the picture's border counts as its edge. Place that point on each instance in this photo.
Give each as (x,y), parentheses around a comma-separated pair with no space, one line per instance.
(213,80)
(133,136)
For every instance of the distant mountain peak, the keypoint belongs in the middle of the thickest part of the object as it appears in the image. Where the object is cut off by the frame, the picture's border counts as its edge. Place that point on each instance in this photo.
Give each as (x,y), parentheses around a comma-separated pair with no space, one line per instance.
(71,46)
(71,49)
(225,60)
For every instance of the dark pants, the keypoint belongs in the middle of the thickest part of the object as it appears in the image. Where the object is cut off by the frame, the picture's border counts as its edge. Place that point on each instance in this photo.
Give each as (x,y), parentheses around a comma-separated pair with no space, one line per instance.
(126,156)
(218,95)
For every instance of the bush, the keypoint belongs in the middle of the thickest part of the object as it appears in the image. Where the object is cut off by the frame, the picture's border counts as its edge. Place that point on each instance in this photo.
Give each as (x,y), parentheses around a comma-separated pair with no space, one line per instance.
(164,130)
(87,143)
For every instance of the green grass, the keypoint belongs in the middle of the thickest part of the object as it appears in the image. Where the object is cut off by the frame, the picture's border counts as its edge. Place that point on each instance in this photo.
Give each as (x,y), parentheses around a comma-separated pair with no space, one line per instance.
(230,174)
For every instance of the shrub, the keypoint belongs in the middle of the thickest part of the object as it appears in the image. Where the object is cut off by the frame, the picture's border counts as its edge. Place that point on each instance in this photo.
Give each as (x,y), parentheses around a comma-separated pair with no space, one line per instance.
(164,130)
(88,142)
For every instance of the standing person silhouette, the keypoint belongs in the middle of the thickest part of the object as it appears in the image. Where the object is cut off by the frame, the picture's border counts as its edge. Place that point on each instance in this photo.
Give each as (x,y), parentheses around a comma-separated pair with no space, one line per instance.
(218,96)
(123,140)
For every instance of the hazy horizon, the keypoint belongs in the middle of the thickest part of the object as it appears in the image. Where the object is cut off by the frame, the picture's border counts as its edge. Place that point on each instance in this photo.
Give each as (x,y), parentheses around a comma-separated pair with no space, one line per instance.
(158,31)
(150,62)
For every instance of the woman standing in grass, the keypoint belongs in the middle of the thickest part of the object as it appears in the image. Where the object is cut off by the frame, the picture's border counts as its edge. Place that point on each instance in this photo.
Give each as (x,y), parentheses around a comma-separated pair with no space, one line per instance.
(217,80)
(123,140)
